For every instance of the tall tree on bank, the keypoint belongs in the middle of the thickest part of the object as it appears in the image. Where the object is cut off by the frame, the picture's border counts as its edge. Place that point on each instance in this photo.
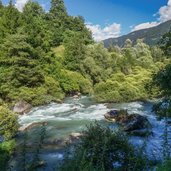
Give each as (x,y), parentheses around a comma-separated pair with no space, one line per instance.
(19,65)
(1,5)
(35,26)
(57,18)
(58,9)
(9,20)
(165,43)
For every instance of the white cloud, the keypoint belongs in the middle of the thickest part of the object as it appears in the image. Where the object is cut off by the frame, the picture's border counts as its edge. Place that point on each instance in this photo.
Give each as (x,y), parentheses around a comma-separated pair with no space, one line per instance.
(145,25)
(165,12)
(20,4)
(106,32)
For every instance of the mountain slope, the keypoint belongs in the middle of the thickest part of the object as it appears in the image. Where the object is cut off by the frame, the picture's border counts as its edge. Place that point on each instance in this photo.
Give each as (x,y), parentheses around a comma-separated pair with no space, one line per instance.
(151,35)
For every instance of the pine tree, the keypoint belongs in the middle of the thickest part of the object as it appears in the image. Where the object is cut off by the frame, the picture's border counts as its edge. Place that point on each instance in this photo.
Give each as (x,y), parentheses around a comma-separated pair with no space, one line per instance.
(10,20)
(10,3)
(165,43)
(58,8)
(20,58)
(1,5)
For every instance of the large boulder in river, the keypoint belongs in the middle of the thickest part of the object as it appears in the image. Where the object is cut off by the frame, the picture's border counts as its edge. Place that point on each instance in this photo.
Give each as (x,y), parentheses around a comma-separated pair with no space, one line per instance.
(135,124)
(22,107)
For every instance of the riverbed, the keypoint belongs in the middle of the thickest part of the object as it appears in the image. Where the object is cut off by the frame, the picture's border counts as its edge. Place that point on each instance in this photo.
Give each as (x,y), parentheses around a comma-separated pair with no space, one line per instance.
(73,115)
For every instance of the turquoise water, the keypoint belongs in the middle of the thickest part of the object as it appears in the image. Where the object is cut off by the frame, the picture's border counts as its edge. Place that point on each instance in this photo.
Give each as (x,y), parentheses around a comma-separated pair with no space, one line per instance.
(74,114)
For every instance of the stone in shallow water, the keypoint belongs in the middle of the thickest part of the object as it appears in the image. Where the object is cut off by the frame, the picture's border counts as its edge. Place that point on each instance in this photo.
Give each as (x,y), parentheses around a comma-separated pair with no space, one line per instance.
(1,139)
(32,125)
(134,124)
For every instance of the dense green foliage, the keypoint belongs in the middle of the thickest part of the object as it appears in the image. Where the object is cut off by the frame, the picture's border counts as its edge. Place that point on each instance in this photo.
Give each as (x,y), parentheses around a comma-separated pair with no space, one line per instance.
(8,129)
(29,69)
(165,43)
(162,79)
(8,123)
(165,167)
(133,69)
(6,150)
(102,149)
(54,55)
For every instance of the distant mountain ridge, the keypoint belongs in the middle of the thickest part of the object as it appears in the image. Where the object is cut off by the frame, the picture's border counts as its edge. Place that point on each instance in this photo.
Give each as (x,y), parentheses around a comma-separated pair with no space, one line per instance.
(151,35)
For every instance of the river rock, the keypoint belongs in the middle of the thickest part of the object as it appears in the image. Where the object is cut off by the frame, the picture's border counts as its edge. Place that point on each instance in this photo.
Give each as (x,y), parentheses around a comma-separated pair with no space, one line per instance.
(38,164)
(135,124)
(75,94)
(22,107)
(169,122)
(1,139)
(75,136)
(31,126)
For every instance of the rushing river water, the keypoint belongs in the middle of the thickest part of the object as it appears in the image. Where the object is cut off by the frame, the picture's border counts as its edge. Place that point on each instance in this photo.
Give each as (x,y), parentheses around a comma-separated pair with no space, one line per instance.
(74,114)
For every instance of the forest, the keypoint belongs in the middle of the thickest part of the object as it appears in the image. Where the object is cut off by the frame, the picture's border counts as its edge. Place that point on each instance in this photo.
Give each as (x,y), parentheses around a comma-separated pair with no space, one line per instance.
(46,56)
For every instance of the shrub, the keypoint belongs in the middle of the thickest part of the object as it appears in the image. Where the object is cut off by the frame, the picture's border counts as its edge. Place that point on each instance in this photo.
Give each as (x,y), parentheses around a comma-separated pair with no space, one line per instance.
(102,149)
(8,123)
(6,149)
(124,88)
(166,166)
(74,82)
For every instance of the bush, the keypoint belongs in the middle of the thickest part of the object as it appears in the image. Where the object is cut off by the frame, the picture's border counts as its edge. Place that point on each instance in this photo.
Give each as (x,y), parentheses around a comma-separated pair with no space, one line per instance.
(8,123)
(107,91)
(166,166)
(44,94)
(74,82)
(125,88)
(53,89)
(102,149)
(6,150)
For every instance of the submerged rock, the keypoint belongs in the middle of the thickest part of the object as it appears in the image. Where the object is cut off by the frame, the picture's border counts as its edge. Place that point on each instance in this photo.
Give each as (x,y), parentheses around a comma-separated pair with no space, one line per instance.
(74,137)
(31,126)
(62,142)
(169,122)
(1,138)
(134,124)
(38,164)
(22,107)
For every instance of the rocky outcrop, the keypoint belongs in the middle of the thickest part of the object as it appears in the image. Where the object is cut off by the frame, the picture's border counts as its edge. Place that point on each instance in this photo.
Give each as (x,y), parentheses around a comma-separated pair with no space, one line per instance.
(22,107)
(134,124)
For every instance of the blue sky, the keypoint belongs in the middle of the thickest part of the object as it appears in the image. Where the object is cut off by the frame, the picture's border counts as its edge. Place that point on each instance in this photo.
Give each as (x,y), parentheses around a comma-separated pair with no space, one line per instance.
(111,18)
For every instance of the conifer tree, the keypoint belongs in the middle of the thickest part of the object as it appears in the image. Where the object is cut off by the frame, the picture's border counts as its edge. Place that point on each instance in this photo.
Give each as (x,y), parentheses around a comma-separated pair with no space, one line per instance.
(58,8)
(1,5)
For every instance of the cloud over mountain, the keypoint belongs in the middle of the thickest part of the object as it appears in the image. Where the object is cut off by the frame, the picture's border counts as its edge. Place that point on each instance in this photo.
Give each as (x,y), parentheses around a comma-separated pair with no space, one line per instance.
(145,25)
(164,14)
(101,33)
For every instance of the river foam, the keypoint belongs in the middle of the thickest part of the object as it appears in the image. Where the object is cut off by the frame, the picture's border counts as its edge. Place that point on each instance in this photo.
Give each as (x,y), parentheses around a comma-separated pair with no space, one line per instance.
(74,114)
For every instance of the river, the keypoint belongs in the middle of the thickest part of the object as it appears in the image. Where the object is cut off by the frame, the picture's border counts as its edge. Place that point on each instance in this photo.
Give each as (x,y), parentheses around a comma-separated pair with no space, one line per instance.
(74,114)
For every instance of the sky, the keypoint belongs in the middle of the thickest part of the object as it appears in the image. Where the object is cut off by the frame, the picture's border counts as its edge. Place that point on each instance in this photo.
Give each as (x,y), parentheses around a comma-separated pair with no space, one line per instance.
(113,18)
